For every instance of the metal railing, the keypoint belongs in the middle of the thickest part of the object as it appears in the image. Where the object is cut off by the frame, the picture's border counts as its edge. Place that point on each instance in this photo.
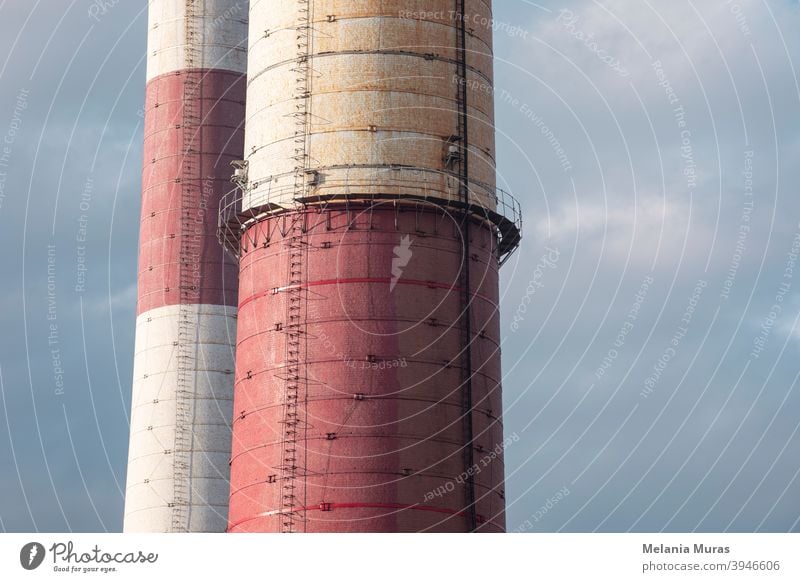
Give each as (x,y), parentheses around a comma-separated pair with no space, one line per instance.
(239,209)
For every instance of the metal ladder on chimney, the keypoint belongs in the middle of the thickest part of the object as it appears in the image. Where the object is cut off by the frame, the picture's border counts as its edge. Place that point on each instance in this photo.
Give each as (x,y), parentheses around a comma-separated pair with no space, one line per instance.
(189,284)
(466,295)
(295,386)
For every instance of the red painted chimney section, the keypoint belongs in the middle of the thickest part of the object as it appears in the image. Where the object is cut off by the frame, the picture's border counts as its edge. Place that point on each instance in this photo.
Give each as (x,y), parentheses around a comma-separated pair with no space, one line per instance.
(369,233)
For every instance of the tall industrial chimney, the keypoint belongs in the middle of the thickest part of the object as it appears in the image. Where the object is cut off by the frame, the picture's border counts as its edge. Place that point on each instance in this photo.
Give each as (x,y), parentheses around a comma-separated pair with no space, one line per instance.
(186,317)
(369,233)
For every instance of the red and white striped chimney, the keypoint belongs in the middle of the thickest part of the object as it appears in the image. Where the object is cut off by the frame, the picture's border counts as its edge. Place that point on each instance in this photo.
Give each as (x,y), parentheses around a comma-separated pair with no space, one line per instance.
(180,438)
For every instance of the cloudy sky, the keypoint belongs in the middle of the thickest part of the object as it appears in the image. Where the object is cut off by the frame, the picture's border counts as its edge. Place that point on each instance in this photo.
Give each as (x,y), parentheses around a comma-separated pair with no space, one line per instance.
(650,319)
